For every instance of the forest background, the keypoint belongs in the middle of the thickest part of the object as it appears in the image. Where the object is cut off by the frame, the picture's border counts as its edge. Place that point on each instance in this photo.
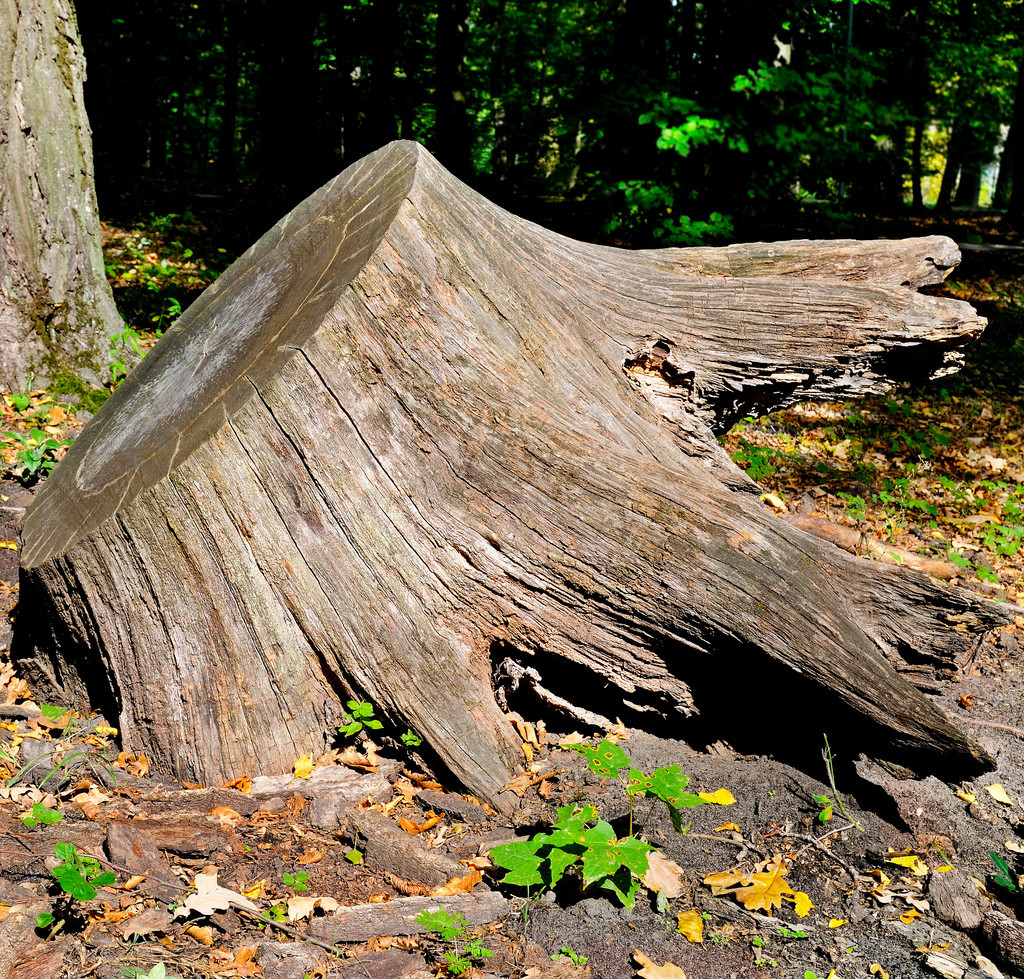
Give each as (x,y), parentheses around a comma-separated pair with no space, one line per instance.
(655,122)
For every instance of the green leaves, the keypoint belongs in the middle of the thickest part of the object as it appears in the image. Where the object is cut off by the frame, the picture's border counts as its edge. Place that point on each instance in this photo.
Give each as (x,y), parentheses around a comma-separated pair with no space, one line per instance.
(41,815)
(359,716)
(606,760)
(578,836)
(79,876)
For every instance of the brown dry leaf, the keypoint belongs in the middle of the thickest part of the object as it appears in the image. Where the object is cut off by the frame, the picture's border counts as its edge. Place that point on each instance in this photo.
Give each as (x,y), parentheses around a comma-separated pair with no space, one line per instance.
(353,758)
(15,690)
(458,885)
(132,882)
(574,738)
(662,874)
(691,924)
(89,802)
(311,856)
(651,971)
(201,933)
(242,964)
(728,827)
(423,781)
(296,804)
(545,787)
(617,732)
(243,784)
(226,816)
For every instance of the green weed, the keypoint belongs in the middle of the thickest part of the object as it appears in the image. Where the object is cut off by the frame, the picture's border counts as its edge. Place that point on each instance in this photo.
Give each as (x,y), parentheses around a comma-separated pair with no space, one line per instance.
(573,956)
(451,927)
(1005,877)
(299,881)
(359,716)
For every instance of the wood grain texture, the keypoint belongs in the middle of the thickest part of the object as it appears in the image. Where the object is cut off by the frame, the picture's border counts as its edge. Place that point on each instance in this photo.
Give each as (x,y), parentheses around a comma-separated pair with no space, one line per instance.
(409,433)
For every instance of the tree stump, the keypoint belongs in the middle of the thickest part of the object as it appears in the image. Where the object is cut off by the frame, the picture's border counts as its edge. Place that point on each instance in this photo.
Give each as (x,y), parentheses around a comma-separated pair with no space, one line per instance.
(413,448)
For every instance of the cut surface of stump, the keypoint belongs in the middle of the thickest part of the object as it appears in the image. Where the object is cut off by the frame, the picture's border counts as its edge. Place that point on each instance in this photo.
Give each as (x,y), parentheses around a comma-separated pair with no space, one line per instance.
(410,443)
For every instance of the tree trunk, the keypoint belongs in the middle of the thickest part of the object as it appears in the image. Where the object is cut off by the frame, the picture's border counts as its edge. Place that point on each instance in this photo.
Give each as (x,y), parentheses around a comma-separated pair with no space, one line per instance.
(56,308)
(410,443)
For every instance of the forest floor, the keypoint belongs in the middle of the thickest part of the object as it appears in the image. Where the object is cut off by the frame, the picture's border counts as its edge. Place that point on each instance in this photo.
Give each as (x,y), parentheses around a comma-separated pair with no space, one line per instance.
(825,866)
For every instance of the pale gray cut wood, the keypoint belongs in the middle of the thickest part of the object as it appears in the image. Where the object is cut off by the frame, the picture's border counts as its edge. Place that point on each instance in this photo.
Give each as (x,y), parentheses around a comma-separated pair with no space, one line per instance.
(56,308)
(409,434)
(361,922)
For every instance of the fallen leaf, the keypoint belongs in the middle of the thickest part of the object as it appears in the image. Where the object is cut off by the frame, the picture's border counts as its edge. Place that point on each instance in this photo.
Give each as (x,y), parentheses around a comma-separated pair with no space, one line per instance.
(302,907)
(651,971)
(255,891)
(876,970)
(201,933)
(210,897)
(999,794)
(946,867)
(243,784)
(728,828)
(761,889)
(908,916)
(414,828)
(458,885)
(132,882)
(912,862)
(966,796)
(662,875)
(303,767)
(691,924)
(226,816)
(106,731)
(574,738)
(423,781)
(773,500)
(353,758)
(720,797)
(837,922)
(617,732)
(296,804)
(967,700)
(312,856)
(1014,846)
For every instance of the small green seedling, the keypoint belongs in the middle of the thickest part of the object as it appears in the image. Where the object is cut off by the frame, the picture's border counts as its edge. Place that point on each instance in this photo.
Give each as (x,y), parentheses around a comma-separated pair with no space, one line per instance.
(451,927)
(411,739)
(37,455)
(826,806)
(20,402)
(354,856)
(79,877)
(159,971)
(574,957)
(359,716)
(41,815)
(1005,876)
(299,881)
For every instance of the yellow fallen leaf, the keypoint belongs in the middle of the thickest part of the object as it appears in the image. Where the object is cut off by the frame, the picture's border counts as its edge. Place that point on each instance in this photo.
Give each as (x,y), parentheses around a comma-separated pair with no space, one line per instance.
(691,924)
(458,885)
(999,794)
(802,905)
(908,916)
(912,862)
(201,933)
(10,545)
(255,891)
(303,767)
(773,500)
(944,869)
(106,731)
(876,970)
(966,796)
(649,970)
(728,827)
(837,922)
(720,797)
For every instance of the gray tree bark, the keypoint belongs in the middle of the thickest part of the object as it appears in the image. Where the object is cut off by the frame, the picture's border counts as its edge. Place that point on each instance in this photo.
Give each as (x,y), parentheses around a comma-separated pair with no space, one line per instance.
(56,307)
(413,448)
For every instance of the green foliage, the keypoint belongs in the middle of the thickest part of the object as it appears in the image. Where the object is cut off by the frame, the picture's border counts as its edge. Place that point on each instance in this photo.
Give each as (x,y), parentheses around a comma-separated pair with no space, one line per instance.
(158,971)
(37,455)
(299,881)
(451,927)
(359,716)
(411,739)
(827,805)
(573,956)
(124,347)
(78,875)
(1004,877)
(41,815)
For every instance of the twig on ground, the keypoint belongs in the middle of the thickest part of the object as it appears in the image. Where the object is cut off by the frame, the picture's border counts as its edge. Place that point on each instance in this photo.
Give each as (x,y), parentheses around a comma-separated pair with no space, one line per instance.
(996,727)
(817,842)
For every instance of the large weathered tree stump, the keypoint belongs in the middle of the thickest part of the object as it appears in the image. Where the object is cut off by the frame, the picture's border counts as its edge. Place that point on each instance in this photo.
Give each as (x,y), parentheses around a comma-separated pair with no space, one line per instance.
(409,439)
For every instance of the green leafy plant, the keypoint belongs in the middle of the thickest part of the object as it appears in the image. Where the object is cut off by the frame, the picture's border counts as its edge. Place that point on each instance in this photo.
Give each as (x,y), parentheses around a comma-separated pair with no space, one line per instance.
(359,716)
(573,956)
(411,740)
(1005,877)
(577,836)
(41,815)
(158,971)
(829,759)
(37,455)
(122,346)
(451,927)
(299,881)
(827,805)
(79,877)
